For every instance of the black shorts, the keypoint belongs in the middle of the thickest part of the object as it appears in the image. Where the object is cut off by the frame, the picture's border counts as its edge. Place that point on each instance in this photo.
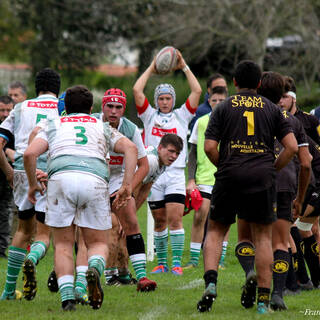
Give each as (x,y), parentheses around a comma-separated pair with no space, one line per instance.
(205,195)
(284,205)
(258,207)
(313,199)
(169,198)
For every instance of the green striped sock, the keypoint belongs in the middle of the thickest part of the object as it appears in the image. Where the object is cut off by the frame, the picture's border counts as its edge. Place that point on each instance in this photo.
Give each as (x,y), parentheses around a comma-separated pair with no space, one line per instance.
(161,243)
(177,244)
(15,260)
(195,249)
(66,287)
(224,251)
(139,265)
(109,272)
(97,262)
(37,251)
(81,281)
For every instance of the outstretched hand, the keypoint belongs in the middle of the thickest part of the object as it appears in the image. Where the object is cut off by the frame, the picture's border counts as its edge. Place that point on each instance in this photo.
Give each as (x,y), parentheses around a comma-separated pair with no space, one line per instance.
(180,61)
(123,195)
(296,209)
(32,192)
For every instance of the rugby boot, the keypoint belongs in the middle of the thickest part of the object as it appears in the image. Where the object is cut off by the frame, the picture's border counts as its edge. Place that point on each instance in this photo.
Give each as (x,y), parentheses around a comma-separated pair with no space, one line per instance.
(53,282)
(145,285)
(248,295)
(69,305)
(29,280)
(17,295)
(95,292)
(209,295)
(277,303)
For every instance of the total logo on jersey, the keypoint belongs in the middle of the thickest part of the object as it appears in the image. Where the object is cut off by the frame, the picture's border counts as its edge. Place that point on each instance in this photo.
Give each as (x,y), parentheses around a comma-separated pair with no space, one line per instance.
(116,160)
(42,104)
(161,132)
(79,119)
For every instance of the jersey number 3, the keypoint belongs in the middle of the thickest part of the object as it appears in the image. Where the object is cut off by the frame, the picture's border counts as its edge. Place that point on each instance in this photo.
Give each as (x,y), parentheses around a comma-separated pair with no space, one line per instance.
(250,122)
(81,135)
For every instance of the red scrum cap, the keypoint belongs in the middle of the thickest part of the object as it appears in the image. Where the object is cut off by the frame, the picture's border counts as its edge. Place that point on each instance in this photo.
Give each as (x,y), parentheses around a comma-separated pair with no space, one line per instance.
(114,96)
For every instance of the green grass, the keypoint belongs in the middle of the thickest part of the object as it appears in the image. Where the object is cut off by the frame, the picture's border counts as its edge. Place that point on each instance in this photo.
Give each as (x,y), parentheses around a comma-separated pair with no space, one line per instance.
(175,297)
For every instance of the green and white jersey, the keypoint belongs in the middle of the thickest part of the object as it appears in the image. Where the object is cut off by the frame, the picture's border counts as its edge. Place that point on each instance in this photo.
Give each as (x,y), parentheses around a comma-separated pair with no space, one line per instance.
(22,120)
(154,167)
(205,168)
(78,142)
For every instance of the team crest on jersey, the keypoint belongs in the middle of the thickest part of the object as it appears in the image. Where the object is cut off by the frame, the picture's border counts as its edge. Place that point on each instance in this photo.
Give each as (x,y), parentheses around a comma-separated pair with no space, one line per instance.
(43,104)
(78,119)
(116,160)
(161,132)
(280,266)
(315,248)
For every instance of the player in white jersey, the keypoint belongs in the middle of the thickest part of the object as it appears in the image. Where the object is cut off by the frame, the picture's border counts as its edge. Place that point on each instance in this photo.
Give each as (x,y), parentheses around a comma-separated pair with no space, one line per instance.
(113,107)
(19,124)
(78,192)
(168,193)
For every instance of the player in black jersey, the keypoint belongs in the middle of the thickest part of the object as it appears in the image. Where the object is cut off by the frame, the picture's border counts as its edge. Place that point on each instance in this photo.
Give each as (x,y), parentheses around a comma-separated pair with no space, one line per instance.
(272,87)
(244,127)
(309,121)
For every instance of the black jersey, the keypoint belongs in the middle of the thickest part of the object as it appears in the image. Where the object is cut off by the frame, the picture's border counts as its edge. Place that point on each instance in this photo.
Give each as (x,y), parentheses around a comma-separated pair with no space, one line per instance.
(287,176)
(314,150)
(246,125)
(310,124)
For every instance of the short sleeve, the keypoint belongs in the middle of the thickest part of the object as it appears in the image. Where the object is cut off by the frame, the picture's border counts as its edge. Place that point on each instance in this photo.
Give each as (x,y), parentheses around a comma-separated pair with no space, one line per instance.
(114,136)
(146,112)
(214,131)
(185,113)
(8,123)
(283,125)
(194,134)
(137,140)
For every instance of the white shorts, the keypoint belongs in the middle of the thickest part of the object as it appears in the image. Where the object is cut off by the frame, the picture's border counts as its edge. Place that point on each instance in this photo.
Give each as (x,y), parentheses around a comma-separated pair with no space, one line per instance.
(169,182)
(80,198)
(204,188)
(115,182)
(20,193)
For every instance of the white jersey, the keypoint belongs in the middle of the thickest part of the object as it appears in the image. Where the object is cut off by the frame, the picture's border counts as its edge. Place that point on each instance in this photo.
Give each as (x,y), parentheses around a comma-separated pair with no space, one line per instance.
(154,166)
(78,142)
(157,124)
(23,118)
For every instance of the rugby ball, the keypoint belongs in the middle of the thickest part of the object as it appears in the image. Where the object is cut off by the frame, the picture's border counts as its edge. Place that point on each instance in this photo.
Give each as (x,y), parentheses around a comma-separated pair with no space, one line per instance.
(166,60)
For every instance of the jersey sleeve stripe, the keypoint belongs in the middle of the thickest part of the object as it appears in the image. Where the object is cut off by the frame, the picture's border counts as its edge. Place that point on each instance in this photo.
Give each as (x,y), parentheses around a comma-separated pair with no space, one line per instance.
(190,109)
(303,145)
(4,137)
(144,107)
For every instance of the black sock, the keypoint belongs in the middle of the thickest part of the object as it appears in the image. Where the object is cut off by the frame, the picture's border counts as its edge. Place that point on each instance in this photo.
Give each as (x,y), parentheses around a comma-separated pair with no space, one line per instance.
(291,282)
(280,270)
(135,244)
(245,252)
(300,270)
(263,295)
(210,276)
(312,259)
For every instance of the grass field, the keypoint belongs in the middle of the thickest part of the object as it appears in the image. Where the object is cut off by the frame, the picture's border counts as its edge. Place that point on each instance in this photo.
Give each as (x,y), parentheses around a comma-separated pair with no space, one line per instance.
(175,298)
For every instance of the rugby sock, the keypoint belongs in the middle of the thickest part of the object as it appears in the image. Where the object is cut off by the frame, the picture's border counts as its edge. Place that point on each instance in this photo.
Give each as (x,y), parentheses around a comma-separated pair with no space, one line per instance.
(37,251)
(15,260)
(195,249)
(311,256)
(210,276)
(301,271)
(291,282)
(66,287)
(263,295)
(81,281)
(136,251)
(161,243)
(97,262)
(124,274)
(280,270)
(177,244)
(245,252)
(224,251)
(109,272)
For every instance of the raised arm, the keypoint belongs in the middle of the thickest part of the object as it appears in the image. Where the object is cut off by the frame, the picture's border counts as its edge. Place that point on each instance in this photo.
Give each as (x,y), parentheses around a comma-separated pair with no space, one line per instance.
(192,81)
(141,83)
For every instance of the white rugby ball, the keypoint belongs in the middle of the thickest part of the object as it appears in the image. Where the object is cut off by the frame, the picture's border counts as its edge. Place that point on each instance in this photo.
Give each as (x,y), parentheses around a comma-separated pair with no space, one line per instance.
(166,60)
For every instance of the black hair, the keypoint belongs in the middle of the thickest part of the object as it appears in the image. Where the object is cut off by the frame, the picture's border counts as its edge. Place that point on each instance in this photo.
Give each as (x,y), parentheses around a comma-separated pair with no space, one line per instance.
(47,80)
(78,99)
(247,74)
(173,139)
(6,100)
(289,84)
(18,85)
(219,90)
(272,86)
(215,76)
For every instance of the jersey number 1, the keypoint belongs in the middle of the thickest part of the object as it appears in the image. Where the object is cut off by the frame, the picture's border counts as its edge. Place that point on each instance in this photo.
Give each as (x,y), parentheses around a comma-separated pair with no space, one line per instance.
(250,122)
(81,135)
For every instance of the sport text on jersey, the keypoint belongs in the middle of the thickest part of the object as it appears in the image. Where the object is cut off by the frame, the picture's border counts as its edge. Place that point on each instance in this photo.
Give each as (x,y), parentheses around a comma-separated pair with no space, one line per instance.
(43,104)
(247,101)
(161,132)
(78,119)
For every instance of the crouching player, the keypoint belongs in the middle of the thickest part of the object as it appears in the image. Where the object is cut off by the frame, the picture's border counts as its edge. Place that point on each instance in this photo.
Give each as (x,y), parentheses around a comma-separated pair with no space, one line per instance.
(77,192)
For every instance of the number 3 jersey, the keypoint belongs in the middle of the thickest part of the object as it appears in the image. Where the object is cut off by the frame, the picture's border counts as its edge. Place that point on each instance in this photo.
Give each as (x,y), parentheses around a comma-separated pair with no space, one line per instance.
(78,142)
(21,121)
(246,126)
